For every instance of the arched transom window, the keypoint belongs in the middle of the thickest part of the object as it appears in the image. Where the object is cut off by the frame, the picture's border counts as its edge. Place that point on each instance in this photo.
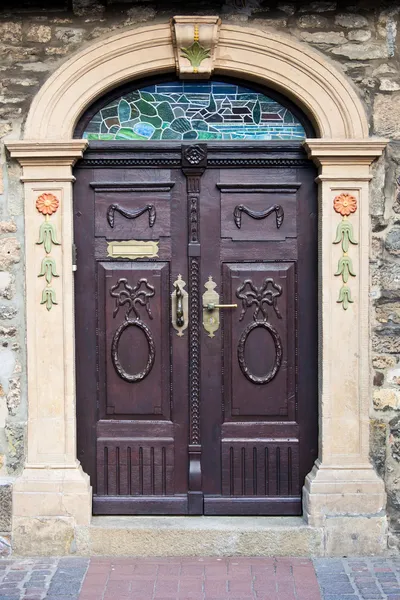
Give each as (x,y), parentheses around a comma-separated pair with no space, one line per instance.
(212,110)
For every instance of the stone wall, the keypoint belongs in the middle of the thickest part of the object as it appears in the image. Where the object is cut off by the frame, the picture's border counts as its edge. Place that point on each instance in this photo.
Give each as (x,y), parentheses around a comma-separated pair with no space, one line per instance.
(360,39)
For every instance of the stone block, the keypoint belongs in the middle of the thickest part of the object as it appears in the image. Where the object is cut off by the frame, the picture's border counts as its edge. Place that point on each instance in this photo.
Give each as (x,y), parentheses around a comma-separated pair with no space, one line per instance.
(386,275)
(10,54)
(13,398)
(5,128)
(69,35)
(388,312)
(312,22)
(386,398)
(356,536)
(367,51)
(392,241)
(10,252)
(320,37)
(379,378)
(15,436)
(5,507)
(386,339)
(388,85)
(385,115)
(359,35)
(10,32)
(7,226)
(52,536)
(383,69)
(7,312)
(39,33)
(393,376)
(8,331)
(378,445)
(196,536)
(276,22)
(351,20)
(377,202)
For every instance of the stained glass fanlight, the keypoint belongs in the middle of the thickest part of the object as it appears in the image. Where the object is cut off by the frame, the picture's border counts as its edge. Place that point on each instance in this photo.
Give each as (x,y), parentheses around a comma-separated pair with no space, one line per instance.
(178,110)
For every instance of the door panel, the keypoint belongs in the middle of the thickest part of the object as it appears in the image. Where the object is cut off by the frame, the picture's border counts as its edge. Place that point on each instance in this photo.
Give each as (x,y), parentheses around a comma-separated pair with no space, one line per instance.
(132,213)
(134,331)
(196,423)
(259,351)
(258,211)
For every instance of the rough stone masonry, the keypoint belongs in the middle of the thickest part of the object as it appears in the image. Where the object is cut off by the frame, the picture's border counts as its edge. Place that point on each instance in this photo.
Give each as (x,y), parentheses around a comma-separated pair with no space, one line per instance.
(359,37)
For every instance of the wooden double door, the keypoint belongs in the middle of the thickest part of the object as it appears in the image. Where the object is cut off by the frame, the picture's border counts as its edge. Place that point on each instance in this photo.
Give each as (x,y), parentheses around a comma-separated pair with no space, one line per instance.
(186,406)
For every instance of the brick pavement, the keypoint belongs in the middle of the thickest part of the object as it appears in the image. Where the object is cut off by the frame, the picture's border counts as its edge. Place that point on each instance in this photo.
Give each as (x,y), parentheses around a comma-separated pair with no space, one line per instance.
(199,579)
(359,578)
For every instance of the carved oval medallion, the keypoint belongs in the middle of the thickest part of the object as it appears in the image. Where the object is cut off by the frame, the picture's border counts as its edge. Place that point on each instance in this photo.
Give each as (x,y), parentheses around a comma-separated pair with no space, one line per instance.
(278,352)
(115,345)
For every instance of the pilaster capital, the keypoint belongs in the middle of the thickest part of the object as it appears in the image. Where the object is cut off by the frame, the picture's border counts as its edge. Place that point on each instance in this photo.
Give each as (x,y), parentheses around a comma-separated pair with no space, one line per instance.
(46,161)
(30,153)
(333,157)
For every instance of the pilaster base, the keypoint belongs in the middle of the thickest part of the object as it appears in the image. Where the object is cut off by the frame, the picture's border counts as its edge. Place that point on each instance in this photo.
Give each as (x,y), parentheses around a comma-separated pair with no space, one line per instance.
(341,491)
(48,504)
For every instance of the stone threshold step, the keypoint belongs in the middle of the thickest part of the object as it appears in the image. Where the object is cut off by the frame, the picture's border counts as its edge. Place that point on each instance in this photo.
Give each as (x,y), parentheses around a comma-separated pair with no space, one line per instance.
(199,536)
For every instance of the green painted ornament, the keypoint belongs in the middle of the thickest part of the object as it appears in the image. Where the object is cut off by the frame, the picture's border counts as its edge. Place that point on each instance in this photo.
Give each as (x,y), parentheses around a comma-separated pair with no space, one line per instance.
(48,297)
(47,236)
(345,268)
(48,269)
(345,297)
(345,234)
(195,54)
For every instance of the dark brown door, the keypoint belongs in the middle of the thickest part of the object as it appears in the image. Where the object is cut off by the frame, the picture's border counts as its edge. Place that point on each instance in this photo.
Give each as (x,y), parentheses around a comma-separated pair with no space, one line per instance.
(220,421)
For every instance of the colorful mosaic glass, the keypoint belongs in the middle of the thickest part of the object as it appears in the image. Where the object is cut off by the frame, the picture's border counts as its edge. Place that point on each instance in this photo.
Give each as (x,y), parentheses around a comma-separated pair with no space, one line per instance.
(194,111)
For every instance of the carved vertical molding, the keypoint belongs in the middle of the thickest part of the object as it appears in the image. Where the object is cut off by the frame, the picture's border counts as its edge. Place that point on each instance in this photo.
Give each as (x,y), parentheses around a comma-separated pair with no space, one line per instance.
(194,160)
(194,350)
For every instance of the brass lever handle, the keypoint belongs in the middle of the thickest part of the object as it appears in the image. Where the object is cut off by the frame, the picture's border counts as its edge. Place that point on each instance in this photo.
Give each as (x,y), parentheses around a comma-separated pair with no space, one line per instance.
(212,306)
(180,321)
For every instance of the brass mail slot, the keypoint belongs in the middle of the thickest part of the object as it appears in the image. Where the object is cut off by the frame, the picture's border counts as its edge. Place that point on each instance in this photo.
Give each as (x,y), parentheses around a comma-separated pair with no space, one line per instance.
(133,249)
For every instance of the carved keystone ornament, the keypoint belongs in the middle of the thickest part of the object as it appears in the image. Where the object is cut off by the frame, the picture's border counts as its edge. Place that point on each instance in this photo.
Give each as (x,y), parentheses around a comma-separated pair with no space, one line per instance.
(195,40)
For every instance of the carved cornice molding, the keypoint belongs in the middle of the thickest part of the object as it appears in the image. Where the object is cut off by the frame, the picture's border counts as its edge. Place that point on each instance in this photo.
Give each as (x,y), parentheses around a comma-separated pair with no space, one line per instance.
(31,153)
(338,152)
(195,40)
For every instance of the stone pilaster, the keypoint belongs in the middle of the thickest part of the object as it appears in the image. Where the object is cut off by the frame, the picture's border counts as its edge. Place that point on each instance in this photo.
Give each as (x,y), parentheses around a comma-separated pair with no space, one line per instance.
(53,495)
(343,483)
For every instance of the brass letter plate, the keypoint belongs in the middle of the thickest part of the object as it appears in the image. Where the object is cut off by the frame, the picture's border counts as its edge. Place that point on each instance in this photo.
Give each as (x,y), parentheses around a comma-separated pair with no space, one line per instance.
(132,249)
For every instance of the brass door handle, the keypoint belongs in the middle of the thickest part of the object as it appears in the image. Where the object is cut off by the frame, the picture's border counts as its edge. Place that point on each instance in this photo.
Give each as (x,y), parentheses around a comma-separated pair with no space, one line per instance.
(180,320)
(179,306)
(212,306)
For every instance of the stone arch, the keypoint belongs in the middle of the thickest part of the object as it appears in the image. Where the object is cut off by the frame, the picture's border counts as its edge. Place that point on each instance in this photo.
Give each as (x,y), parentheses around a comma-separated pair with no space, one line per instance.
(302,74)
